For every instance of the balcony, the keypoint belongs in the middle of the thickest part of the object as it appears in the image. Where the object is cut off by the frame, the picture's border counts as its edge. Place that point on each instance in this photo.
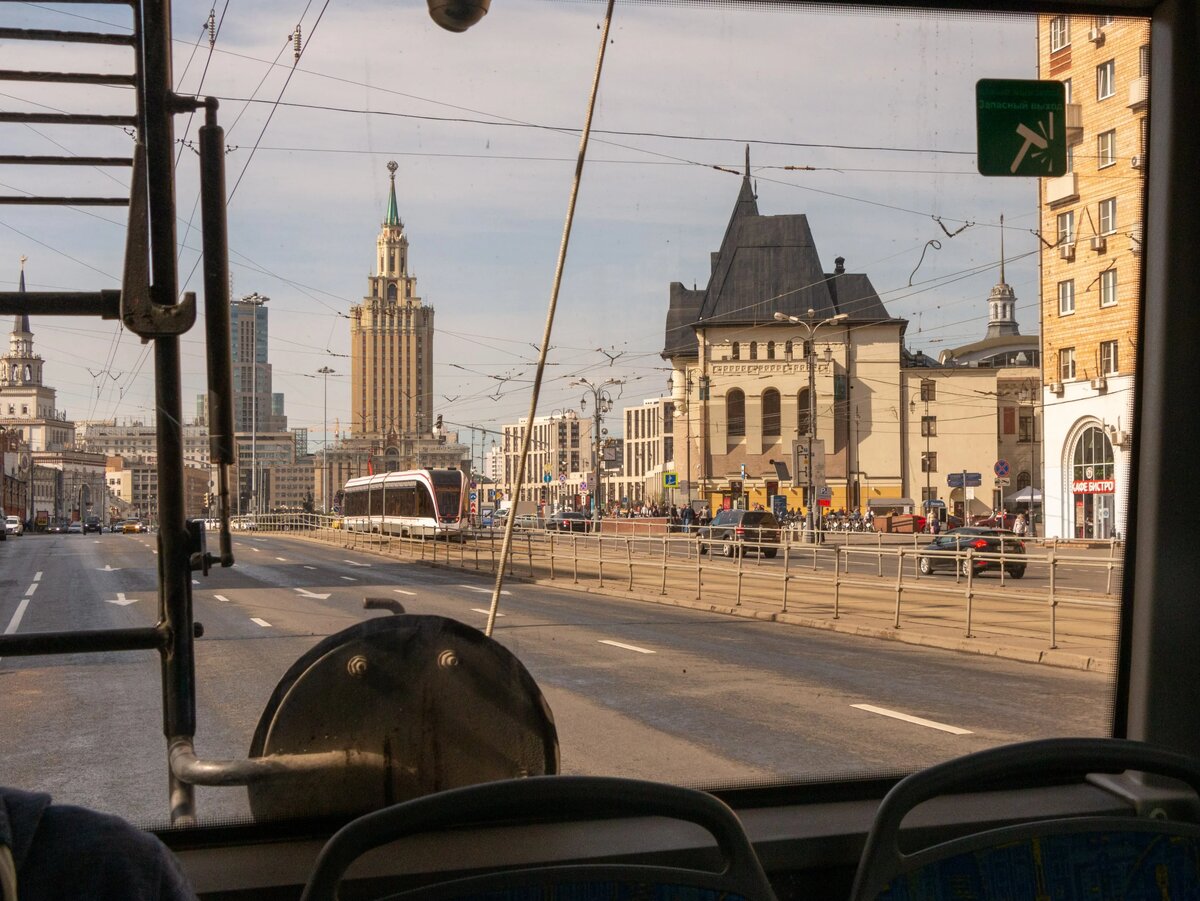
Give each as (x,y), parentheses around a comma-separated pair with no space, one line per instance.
(1062,188)
(1074,117)
(1139,92)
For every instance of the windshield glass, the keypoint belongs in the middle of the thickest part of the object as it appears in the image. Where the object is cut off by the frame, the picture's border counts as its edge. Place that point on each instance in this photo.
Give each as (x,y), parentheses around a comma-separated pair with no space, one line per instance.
(788,288)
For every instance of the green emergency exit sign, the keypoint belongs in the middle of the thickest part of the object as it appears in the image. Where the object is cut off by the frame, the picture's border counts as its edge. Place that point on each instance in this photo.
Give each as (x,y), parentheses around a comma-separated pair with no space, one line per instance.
(1021,127)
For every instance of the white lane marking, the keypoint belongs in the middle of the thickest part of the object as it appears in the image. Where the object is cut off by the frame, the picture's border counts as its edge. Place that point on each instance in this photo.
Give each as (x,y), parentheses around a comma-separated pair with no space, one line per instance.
(121,600)
(883,711)
(261,622)
(16,620)
(108,568)
(195,581)
(37,576)
(354,563)
(402,591)
(222,598)
(30,590)
(498,613)
(350,578)
(281,559)
(304,592)
(306,566)
(484,590)
(256,550)
(628,647)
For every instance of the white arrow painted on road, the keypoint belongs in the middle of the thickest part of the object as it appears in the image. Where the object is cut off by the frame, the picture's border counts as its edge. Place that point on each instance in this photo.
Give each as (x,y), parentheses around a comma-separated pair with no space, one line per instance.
(486,612)
(402,591)
(352,563)
(121,600)
(303,592)
(109,568)
(484,590)
(221,597)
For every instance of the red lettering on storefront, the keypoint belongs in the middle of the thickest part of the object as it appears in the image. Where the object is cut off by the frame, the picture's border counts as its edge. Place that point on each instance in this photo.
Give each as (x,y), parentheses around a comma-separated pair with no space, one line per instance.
(1094,486)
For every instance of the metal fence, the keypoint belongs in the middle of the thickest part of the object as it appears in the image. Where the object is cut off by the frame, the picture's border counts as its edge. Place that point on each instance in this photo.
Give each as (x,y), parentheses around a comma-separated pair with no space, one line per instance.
(1053,590)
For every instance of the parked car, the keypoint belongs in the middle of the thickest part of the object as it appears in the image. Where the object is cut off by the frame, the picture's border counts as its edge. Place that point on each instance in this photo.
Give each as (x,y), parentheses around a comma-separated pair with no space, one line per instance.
(567,521)
(133,527)
(13,526)
(92,524)
(527,521)
(980,539)
(736,531)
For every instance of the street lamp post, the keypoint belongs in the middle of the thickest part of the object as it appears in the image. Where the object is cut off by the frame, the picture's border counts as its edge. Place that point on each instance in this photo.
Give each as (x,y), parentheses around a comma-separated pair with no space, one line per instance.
(602,403)
(811,330)
(326,372)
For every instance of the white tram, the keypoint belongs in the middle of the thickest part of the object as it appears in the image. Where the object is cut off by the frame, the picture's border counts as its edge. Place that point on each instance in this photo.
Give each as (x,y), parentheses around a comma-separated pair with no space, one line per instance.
(418,503)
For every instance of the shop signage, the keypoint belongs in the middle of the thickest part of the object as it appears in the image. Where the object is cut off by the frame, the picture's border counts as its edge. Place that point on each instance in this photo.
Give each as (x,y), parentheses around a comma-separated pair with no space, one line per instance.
(1094,486)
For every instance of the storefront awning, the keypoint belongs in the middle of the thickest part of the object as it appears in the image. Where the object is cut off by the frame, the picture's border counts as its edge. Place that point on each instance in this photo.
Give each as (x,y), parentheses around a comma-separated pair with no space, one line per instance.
(891,502)
(1025,496)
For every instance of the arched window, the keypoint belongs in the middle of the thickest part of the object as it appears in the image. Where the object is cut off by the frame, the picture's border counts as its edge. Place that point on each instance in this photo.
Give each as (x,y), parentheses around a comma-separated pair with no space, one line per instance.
(737,351)
(735,412)
(753,350)
(1093,485)
(770,413)
(787,350)
(802,413)
(770,350)
(391,294)
(1024,480)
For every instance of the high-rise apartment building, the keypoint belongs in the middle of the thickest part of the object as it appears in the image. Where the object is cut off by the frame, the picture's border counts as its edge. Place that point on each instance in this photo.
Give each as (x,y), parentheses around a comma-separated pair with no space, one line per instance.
(391,342)
(1091,220)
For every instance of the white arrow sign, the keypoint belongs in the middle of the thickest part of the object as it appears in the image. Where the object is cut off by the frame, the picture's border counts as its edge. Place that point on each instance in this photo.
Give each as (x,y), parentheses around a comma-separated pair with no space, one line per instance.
(311,594)
(109,568)
(353,563)
(121,600)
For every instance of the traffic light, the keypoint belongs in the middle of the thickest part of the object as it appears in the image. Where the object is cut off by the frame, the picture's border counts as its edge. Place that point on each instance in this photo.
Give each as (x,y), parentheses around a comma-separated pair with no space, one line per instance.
(207,501)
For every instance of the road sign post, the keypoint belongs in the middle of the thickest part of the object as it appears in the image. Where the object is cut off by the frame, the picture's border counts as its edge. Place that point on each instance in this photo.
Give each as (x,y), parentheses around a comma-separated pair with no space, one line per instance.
(1021,127)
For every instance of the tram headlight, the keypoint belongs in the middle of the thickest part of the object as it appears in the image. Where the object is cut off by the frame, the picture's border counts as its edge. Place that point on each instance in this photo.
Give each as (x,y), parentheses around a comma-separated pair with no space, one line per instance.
(457,15)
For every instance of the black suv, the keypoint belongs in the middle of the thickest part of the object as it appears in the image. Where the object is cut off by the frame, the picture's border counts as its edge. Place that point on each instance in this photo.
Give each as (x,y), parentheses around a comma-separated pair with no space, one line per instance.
(92,524)
(734,532)
(981,540)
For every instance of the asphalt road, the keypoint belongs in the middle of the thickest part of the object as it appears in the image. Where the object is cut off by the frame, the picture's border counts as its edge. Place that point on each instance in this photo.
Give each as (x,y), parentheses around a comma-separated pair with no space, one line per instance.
(636,689)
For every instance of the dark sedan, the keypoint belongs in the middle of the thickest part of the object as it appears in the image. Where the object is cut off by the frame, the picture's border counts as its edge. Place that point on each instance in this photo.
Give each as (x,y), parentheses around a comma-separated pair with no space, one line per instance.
(981,540)
(567,521)
(732,532)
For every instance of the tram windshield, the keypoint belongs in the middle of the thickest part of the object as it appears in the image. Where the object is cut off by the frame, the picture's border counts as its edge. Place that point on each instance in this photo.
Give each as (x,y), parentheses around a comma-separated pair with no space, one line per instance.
(787,287)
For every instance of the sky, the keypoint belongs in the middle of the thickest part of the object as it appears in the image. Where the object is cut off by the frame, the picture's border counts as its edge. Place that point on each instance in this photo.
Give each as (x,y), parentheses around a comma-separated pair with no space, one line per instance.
(875,114)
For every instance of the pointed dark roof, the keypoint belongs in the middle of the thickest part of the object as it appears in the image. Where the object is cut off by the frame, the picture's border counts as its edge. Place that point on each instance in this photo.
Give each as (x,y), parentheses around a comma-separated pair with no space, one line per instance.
(767,264)
(21,323)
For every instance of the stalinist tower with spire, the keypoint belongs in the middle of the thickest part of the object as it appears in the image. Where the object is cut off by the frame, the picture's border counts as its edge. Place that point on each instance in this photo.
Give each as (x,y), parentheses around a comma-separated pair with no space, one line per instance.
(391,343)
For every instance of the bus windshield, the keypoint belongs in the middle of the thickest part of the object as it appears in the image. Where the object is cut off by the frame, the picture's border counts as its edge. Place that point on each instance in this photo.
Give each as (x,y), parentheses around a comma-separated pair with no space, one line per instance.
(797,283)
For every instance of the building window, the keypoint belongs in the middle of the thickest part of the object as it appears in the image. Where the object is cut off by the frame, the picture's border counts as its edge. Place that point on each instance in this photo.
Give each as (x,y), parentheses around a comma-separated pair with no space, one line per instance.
(737,351)
(770,413)
(803,419)
(1106,149)
(735,412)
(928,389)
(1025,433)
(1066,364)
(1060,33)
(1108,357)
(1108,216)
(753,350)
(1105,79)
(787,350)
(928,426)
(929,461)
(1066,297)
(1066,227)
(1108,288)
(770,350)
(1144,60)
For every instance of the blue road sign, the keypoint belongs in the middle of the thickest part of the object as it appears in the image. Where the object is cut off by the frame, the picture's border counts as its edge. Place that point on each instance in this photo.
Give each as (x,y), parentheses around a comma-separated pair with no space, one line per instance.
(1001,468)
(473,497)
(547,478)
(973,479)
